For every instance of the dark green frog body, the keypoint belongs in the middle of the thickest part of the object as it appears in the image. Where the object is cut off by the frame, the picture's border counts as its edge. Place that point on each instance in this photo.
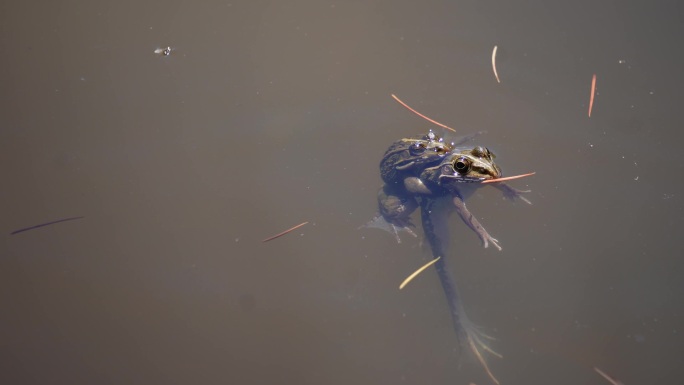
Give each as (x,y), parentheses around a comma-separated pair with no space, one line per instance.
(404,160)
(409,156)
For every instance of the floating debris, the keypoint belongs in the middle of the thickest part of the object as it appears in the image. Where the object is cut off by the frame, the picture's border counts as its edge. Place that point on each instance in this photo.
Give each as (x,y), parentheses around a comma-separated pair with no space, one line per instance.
(494,64)
(43,224)
(421,115)
(410,277)
(163,51)
(593,92)
(507,178)
(284,232)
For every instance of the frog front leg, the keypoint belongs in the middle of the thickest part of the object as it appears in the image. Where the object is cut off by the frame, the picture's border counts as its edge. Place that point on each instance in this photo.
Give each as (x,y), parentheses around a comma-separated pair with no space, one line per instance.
(512,193)
(415,186)
(472,222)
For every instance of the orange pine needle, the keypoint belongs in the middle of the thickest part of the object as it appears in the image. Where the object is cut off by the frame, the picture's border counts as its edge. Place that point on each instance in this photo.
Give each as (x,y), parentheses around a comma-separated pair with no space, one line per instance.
(593,92)
(284,232)
(421,115)
(494,64)
(507,178)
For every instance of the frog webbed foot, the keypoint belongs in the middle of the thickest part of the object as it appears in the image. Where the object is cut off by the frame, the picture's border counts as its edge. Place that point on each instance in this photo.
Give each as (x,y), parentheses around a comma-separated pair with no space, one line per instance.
(512,193)
(380,222)
(395,207)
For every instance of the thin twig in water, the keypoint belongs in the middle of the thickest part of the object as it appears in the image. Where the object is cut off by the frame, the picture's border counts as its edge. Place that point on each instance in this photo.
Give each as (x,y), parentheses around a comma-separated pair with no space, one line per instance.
(494,64)
(43,224)
(607,377)
(410,277)
(421,115)
(284,232)
(593,92)
(506,178)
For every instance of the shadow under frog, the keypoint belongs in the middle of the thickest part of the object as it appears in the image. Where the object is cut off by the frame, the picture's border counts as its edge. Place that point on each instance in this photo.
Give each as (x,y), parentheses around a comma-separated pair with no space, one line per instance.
(439,183)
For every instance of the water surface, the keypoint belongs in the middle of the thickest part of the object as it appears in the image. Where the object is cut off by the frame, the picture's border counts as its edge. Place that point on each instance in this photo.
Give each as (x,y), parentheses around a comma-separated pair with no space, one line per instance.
(268,114)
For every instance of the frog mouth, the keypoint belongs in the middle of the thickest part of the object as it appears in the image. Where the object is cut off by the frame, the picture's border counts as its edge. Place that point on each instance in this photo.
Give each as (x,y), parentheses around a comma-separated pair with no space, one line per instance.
(462,178)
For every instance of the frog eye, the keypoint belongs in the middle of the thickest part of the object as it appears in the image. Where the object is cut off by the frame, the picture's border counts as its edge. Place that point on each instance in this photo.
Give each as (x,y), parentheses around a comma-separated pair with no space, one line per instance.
(462,165)
(417,148)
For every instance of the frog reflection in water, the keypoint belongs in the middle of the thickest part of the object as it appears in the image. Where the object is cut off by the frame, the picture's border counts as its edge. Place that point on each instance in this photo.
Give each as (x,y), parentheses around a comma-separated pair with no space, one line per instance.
(433,180)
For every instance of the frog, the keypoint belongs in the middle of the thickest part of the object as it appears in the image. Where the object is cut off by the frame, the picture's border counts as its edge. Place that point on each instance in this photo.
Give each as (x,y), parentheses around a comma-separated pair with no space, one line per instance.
(440,189)
(408,167)
(404,160)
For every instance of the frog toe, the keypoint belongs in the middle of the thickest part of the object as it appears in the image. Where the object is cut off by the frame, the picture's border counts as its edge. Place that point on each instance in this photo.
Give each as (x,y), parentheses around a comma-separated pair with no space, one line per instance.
(488,238)
(379,222)
(512,193)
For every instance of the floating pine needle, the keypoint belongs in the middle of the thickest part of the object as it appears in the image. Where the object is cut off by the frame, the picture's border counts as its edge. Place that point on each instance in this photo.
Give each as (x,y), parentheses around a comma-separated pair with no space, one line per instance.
(421,115)
(410,277)
(607,377)
(494,64)
(593,92)
(507,178)
(284,232)
(43,224)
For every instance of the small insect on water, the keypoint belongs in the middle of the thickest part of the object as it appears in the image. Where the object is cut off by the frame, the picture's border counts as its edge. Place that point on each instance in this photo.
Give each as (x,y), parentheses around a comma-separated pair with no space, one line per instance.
(164,51)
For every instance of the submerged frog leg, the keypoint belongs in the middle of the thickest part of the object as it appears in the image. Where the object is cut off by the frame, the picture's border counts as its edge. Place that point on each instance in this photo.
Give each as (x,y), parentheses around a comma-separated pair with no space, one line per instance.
(396,207)
(512,193)
(436,232)
(467,334)
(487,336)
(379,222)
(484,346)
(483,362)
(473,223)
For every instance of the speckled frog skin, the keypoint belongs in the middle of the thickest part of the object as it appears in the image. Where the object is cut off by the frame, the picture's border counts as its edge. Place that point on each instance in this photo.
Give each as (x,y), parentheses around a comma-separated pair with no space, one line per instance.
(406,158)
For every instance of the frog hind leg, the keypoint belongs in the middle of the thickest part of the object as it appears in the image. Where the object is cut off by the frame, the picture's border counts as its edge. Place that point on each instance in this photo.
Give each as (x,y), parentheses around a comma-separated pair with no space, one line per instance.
(379,222)
(468,334)
(396,207)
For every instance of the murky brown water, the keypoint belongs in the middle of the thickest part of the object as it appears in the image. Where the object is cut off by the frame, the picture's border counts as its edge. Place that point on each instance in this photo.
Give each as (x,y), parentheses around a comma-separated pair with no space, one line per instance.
(268,114)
